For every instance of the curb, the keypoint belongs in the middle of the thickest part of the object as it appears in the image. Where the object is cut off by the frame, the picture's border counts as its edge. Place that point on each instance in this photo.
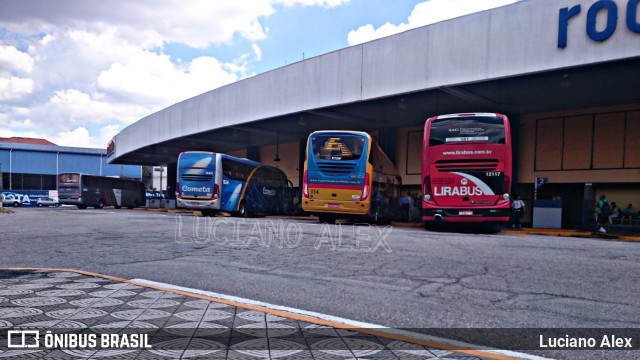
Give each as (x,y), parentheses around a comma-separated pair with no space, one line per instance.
(580,234)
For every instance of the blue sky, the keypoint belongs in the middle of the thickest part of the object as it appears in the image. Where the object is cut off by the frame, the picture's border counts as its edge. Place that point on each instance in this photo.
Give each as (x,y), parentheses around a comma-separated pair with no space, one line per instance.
(76,72)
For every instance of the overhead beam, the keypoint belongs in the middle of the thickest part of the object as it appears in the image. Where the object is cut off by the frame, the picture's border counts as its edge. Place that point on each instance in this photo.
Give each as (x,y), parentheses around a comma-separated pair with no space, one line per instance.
(343,117)
(473,98)
(263,131)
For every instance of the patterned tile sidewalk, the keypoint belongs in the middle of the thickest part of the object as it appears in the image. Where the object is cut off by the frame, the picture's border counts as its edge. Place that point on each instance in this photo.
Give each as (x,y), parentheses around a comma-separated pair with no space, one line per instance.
(177,326)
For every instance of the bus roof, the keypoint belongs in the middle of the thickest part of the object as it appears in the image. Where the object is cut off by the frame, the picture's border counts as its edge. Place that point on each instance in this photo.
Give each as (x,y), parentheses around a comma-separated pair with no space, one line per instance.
(353,132)
(233,158)
(448,116)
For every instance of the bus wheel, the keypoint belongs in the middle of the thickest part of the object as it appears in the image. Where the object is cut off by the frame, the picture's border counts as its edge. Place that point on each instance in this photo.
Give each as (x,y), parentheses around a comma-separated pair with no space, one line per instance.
(81,207)
(327,219)
(100,204)
(242,210)
(491,228)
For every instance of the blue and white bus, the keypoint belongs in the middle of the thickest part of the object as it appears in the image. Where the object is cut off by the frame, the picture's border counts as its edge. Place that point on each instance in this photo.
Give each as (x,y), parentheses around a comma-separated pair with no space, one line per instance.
(213,182)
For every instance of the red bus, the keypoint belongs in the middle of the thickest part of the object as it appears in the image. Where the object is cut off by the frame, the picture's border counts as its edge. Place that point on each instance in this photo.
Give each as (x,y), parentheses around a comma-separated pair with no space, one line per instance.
(466,169)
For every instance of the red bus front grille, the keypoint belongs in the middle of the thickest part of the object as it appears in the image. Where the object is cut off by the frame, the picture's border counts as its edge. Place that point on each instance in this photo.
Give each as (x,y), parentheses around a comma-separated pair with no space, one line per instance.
(467,164)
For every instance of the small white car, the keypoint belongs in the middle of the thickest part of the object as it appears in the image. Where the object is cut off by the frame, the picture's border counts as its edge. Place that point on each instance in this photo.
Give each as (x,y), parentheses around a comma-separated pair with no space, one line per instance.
(11,200)
(47,202)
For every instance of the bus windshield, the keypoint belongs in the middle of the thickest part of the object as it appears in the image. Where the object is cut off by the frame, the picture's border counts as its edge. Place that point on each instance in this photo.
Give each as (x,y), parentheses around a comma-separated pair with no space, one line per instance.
(68,179)
(467,129)
(341,147)
(197,166)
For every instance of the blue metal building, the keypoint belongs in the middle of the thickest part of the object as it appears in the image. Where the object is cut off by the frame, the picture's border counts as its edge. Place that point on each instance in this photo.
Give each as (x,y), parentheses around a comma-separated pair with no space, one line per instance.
(35,167)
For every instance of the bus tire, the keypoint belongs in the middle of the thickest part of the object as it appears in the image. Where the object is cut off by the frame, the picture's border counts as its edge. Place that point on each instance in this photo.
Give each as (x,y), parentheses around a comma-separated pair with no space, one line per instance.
(81,207)
(491,227)
(100,204)
(326,219)
(208,213)
(242,209)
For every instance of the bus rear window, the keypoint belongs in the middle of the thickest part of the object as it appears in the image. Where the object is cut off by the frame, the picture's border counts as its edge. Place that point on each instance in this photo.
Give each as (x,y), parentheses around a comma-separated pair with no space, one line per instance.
(342,147)
(68,178)
(467,129)
(197,160)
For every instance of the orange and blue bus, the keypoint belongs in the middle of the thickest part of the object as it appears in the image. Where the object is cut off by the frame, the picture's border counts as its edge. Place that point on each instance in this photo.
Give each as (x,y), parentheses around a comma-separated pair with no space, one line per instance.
(347,175)
(85,190)
(214,182)
(466,169)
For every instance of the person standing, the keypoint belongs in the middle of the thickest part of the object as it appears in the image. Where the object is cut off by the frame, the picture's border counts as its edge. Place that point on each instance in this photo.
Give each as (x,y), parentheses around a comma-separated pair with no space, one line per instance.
(405,202)
(602,213)
(517,208)
(614,213)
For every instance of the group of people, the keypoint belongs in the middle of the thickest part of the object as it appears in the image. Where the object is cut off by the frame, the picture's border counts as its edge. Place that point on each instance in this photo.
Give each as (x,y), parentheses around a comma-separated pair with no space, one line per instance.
(608,213)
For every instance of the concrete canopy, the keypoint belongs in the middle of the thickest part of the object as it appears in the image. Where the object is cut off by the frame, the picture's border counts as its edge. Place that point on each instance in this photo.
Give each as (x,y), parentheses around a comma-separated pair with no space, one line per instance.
(504,60)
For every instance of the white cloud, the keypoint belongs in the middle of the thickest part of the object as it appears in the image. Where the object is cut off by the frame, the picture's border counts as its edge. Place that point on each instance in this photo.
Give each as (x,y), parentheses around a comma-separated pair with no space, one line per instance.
(13,87)
(81,137)
(197,23)
(257,51)
(78,137)
(326,3)
(14,65)
(151,78)
(425,13)
(13,60)
(88,64)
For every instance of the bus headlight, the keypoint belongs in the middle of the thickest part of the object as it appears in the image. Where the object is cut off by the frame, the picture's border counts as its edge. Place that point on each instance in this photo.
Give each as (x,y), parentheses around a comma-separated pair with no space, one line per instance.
(427,197)
(505,196)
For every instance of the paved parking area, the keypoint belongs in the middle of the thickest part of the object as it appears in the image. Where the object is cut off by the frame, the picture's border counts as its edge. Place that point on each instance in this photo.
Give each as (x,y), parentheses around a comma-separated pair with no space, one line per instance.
(146,323)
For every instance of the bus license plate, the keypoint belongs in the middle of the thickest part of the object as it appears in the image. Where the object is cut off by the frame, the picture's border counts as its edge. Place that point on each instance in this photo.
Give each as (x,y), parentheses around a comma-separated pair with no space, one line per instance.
(334,206)
(465,212)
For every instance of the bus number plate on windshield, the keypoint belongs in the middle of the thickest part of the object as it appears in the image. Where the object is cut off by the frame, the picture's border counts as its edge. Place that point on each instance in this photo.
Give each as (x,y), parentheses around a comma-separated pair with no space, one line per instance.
(333,206)
(465,212)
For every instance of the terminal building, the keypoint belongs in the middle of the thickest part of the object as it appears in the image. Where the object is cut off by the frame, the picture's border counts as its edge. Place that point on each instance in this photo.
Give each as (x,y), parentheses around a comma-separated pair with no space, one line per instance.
(566,73)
